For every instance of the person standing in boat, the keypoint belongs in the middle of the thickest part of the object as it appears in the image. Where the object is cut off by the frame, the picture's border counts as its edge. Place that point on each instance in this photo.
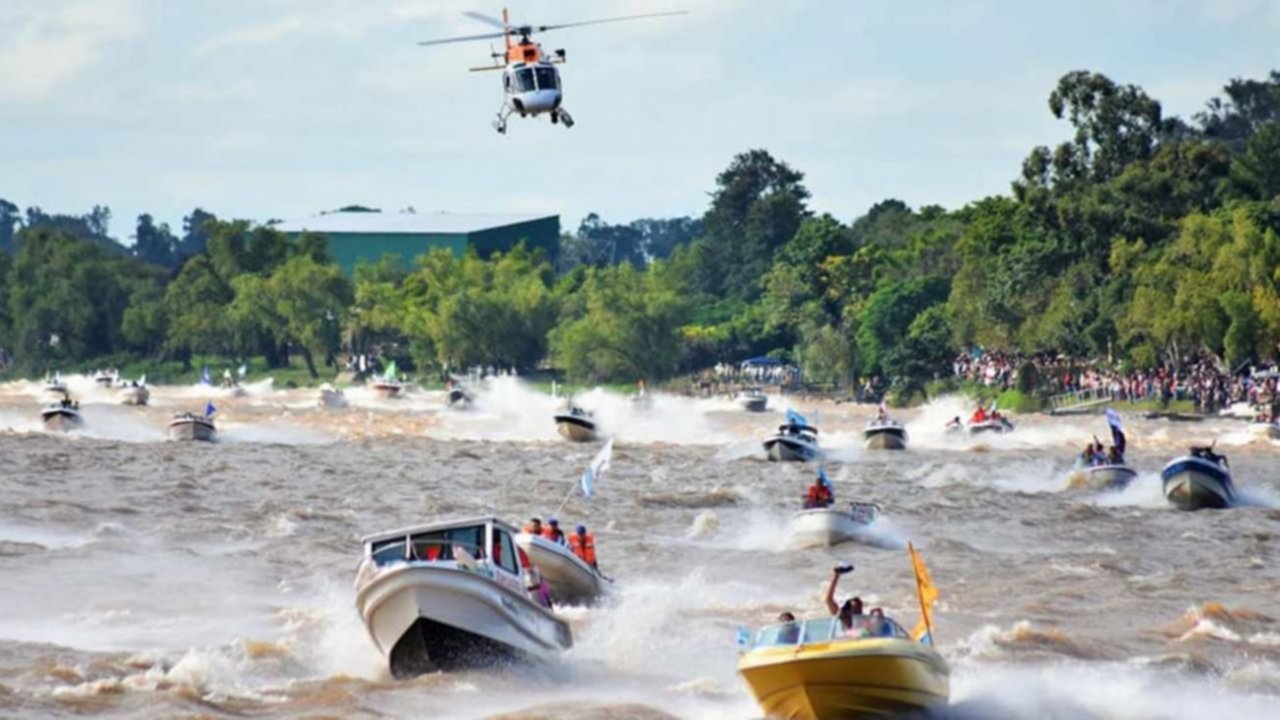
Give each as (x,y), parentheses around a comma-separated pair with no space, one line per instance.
(553,532)
(583,544)
(851,610)
(819,495)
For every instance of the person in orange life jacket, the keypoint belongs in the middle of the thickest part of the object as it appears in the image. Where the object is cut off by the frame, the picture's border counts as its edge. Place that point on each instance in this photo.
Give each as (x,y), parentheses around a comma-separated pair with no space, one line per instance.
(818,496)
(979,415)
(553,532)
(583,544)
(533,527)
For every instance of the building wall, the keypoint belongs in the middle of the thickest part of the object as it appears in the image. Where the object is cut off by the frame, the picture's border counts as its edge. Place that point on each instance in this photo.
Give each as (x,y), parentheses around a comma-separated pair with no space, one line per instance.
(544,234)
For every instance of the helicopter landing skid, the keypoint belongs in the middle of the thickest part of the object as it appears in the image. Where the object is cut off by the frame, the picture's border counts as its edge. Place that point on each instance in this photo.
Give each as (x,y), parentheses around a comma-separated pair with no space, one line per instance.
(501,123)
(562,116)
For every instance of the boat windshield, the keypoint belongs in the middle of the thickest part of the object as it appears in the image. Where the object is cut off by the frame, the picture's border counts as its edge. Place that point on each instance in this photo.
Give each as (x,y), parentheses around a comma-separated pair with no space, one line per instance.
(435,546)
(822,630)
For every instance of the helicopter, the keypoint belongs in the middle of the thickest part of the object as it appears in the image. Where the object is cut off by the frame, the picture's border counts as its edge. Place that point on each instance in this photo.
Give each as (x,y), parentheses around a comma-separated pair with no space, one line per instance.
(530,80)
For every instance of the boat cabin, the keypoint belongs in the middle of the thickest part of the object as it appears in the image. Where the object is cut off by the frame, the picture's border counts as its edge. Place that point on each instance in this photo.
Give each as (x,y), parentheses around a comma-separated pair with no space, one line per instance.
(826,630)
(482,545)
(797,429)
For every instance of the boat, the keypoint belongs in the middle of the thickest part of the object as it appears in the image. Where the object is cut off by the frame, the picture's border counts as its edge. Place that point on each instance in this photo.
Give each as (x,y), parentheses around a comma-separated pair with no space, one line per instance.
(885,434)
(135,393)
(106,378)
(831,526)
(453,595)
(794,441)
(62,416)
(1110,476)
(576,424)
(997,425)
(331,397)
(388,386)
(192,427)
(752,399)
(459,399)
(55,385)
(570,580)
(1199,480)
(855,666)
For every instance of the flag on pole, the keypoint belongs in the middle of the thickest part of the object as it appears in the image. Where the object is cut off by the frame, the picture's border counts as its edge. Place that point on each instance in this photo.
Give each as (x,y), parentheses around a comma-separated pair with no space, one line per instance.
(795,418)
(595,471)
(209,409)
(1117,432)
(204,376)
(390,374)
(928,595)
(826,481)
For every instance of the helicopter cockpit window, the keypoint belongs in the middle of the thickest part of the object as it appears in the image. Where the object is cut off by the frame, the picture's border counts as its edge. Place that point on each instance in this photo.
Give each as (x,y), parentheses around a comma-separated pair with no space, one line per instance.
(547,79)
(524,80)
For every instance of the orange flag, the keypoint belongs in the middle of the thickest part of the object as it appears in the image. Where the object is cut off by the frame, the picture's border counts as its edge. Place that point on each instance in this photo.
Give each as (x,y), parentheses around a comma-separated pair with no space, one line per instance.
(928,595)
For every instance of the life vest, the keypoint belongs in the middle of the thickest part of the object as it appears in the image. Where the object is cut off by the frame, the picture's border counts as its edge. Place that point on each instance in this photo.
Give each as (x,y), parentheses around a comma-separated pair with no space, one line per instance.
(555,535)
(584,548)
(819,496)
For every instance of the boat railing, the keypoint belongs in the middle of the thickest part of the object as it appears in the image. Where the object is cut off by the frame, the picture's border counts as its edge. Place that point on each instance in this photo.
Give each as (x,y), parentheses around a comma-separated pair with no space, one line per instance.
(825,630)
(1080,399)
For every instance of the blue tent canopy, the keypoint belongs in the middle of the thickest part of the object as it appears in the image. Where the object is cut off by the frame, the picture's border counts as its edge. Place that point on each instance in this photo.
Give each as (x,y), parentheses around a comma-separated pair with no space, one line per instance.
(761,361)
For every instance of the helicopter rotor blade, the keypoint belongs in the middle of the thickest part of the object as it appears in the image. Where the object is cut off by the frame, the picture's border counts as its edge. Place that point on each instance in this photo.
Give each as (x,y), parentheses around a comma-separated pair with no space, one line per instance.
(544,28)
(462,38)
(486,19)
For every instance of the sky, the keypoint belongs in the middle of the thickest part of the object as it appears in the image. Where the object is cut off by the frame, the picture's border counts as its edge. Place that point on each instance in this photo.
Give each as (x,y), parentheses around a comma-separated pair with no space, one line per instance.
(263,109)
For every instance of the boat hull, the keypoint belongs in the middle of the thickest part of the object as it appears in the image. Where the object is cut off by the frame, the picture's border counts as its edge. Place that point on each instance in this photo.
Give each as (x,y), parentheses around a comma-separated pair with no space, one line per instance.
(847,679)
(135,396)
(386,391)
(426,618)
(575,429)
(1191,483)
(459,400)
(990,427)
(824,527)
(786,449)
(1111,477)
(61,420)
(192,430)
(885,438)
(753,404)
(570,580)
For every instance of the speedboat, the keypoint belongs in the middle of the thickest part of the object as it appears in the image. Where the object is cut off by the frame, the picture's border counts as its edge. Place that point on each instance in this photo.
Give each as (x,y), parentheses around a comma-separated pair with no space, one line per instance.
(831,526)
(135,393)
(62,416)
(815,669)
(793,442)
(576,424)
(387,389)
(1115,476)
(885,434)
(332,397)
(570,580)
(191,427)
(1199,480)
(752,399)
(453,595)
(55,385)
(459,399)
(105,378)
(998,425)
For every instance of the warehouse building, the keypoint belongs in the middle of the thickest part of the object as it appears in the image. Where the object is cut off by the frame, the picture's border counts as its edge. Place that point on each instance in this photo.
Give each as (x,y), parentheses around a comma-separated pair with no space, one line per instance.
(356,236)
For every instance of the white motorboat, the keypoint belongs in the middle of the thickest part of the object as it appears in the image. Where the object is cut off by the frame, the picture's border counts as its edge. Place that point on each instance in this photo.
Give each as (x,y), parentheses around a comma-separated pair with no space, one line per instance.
(191,427)
(832,526)
(996,425)
(752,399)
(570,580)
(387,389)
(134,393)
(1110,476)
(576,424)
(793,442)
(332,397)
(1199,480)
(106,378)
(453,595)
(55,385)
(885,434)
(62,416)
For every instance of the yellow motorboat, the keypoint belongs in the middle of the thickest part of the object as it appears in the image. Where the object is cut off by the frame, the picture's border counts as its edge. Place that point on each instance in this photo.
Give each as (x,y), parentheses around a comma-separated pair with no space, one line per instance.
(826,669)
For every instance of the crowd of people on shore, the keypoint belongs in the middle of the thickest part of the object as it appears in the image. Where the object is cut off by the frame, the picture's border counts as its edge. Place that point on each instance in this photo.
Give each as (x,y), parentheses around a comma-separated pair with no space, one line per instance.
(1202,381)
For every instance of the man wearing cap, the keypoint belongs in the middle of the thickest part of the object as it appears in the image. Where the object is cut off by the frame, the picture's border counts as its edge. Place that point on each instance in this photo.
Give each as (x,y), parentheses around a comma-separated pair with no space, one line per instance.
(583,544)
(553,532)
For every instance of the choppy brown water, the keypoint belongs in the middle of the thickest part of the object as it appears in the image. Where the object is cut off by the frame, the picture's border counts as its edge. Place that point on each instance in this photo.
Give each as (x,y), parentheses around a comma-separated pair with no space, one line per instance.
(144,578)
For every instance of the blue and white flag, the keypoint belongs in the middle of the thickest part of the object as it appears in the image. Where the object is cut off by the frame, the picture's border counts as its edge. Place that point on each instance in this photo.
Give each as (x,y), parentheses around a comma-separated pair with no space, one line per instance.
(1117,433)
(1113,418)
(795,418)
(595,471)
(209,409)
(204,376)
(823,479)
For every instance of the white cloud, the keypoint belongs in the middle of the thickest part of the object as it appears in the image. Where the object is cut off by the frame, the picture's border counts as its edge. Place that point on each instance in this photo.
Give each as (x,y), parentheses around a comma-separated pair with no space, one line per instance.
(48,47)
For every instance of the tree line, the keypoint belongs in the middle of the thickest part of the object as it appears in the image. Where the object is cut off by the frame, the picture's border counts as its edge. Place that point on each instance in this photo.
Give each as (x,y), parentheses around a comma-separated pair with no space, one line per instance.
(1141,237)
